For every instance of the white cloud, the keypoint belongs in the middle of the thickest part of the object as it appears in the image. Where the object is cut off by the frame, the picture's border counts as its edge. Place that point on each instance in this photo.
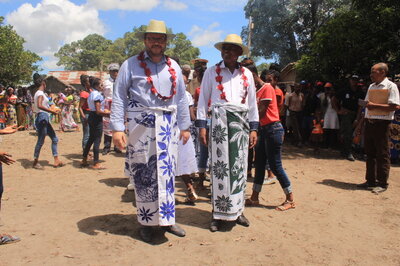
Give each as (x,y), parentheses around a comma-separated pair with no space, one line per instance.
(205,37)
(134,5)
(52,23)
(51,63)
(174,5)
(219,5)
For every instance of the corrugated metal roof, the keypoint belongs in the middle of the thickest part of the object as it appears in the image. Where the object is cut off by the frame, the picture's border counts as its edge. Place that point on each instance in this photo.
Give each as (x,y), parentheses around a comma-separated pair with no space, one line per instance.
(73,77)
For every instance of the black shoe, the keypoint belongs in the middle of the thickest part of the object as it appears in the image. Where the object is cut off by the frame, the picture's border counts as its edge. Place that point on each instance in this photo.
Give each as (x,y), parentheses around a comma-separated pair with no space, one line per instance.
(175,230)
(242,220)
(350,157)
(366,186)
(117,150)
(214,226)
(105,151)
(146,233)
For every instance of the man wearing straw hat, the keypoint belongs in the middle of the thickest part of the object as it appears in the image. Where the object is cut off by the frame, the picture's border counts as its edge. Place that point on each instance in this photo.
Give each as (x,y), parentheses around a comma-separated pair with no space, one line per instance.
(150,93)
(230,87)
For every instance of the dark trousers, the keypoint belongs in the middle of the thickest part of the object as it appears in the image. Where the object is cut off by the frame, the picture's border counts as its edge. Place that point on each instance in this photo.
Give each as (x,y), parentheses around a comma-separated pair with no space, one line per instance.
(107,142)
(376,146)
(95,122)
(296,121)
(346,131)
(1,183)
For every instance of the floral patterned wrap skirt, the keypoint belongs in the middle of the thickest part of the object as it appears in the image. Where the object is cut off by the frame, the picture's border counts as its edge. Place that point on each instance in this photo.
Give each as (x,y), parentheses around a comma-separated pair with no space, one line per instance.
(150,163)
(229,140)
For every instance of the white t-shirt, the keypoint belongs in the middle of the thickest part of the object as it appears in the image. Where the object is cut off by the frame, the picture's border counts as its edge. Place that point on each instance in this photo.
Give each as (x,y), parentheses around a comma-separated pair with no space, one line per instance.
(45,102)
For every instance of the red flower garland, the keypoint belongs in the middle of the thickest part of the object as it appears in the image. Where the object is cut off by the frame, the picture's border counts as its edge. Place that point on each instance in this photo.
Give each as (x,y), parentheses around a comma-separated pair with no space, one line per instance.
(220,87)
(149,79)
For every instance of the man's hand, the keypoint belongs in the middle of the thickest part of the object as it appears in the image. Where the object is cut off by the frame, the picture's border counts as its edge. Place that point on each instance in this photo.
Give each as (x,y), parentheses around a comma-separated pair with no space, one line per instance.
(370,105)
(5,158)
(119,139)
(184,136)
(253,139)
(203,136)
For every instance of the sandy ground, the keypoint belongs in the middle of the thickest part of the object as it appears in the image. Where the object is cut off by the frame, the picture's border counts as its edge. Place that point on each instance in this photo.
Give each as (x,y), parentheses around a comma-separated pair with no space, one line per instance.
(74,216)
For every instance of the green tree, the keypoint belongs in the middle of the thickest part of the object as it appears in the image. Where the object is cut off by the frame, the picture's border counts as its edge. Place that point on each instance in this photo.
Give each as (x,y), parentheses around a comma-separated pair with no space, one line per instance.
(95,50)
(86,54)
(183,49)
(283,29)
(353,40)
(16,63)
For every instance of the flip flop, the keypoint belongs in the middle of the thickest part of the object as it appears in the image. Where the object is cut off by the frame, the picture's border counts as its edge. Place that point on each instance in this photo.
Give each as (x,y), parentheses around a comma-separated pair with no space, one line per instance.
(7,239)
(287,205)
(60,164)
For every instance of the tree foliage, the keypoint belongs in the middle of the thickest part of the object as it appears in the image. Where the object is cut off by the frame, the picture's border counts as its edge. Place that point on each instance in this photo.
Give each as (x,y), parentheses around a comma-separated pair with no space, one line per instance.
(86,54)
(95,51)
(16,63)
(283,29)
(354,40)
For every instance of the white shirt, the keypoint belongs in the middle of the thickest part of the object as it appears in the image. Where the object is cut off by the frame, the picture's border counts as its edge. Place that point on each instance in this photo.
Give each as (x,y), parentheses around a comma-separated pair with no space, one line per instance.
(189,98)
(45,102)
(233,88)
(392,99)
(108,86)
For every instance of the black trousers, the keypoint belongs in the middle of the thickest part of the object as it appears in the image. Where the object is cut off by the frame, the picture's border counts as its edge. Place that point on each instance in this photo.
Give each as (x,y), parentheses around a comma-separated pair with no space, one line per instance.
(376,146)
(95,122)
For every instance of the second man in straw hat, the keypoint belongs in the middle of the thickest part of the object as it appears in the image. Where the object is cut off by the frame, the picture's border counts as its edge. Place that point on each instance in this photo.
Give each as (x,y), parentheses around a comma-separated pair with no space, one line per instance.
(230,87)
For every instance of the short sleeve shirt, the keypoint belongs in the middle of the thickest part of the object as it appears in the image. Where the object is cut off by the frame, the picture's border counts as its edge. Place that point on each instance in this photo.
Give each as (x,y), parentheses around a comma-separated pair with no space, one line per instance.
(267,93)
(84,95)
(393,98)
(45,101)
(95,96)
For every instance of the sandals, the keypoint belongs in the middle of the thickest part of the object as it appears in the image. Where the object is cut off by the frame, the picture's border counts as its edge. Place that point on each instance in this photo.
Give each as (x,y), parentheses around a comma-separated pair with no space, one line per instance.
(38,166)
(251,203)
(7,239)
(287,205)
(191,195)
(60,164)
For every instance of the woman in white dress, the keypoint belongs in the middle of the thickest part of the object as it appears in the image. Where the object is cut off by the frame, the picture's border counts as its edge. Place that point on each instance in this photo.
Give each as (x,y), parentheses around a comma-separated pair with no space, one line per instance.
(187,163)
(331,119)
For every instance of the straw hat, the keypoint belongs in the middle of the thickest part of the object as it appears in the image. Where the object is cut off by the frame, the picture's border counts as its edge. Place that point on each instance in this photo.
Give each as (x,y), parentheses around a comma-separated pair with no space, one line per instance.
(233,39)
(156,26)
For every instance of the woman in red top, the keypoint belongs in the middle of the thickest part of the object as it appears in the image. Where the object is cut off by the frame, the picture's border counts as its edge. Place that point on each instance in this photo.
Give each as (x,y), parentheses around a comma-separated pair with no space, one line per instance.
(269,145)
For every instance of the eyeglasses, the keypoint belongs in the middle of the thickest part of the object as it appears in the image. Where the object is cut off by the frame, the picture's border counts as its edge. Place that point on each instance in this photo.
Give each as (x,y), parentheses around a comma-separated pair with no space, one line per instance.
(154,39)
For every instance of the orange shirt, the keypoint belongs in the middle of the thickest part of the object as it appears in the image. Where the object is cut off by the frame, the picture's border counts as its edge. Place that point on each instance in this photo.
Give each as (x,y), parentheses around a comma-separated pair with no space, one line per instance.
(267,93)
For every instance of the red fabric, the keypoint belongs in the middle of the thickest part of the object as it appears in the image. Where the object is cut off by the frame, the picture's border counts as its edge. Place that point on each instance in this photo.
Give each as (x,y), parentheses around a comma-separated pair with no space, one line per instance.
(85,95)
(267,92)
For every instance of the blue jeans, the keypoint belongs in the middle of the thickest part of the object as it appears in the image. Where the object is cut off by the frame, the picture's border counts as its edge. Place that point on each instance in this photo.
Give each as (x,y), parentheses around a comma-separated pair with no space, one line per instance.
(269,146)
(95,133)
(85,129)
(43,129)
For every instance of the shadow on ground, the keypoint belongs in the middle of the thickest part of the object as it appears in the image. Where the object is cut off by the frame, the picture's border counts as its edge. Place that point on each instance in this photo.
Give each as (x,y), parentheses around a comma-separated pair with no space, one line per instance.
(118,224)
(339,184)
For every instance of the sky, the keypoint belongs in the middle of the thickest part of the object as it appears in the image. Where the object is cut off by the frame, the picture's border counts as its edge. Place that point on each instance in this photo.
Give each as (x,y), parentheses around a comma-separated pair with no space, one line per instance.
(46,25)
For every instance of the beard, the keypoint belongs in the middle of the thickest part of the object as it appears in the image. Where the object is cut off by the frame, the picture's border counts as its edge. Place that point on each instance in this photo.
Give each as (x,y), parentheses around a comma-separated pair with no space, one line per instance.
(156,50)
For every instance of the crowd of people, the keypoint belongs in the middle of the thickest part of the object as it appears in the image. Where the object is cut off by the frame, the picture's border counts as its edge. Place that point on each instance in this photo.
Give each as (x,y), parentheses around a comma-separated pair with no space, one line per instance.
(225,119)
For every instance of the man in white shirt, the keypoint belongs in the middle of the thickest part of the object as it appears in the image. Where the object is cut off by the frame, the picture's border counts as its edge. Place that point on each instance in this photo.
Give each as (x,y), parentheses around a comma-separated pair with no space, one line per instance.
(231,89)
(108,86)
(382,99)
